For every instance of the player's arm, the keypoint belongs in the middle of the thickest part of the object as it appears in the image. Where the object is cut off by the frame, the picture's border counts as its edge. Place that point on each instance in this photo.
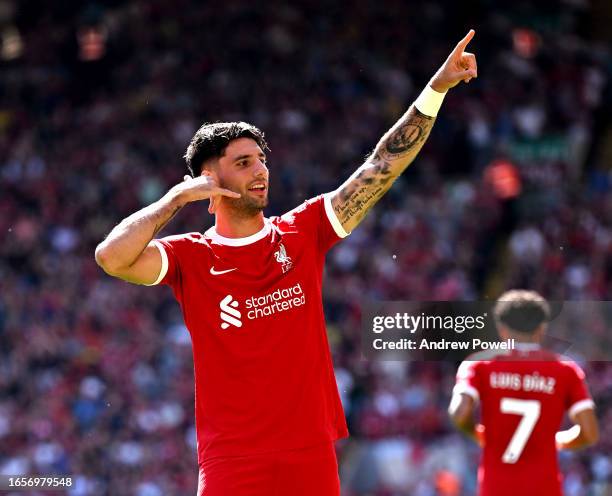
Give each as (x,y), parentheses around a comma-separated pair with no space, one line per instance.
(401,144)
(128,252)
(585,431)
(461,412)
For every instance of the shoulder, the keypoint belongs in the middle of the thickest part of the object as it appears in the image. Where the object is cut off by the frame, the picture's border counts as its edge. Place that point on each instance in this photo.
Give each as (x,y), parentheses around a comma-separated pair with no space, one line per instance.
(190,237)
(183,241)
(469,367)
(309,205)
(570,366)
(480,361)
(314,213)
(486,356)
(558,361)
(305,213)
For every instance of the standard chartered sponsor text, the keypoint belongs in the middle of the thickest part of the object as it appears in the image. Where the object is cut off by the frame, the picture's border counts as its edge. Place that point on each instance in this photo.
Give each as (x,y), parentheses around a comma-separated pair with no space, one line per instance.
(277,301)
(413,323)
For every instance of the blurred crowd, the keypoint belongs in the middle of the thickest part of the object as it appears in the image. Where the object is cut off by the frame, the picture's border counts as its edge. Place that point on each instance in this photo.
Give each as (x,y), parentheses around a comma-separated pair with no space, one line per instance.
(98,101)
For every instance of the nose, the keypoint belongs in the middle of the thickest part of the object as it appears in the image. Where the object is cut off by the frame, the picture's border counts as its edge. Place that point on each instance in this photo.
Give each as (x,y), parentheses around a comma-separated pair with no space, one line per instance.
(261,170)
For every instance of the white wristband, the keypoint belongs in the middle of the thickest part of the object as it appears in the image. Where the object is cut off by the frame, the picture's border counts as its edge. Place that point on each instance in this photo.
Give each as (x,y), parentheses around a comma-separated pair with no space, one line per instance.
(429,101)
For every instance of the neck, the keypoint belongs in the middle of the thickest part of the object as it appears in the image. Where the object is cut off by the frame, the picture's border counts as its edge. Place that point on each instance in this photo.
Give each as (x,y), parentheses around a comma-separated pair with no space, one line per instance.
(238,227)
(523,338)
(535,337)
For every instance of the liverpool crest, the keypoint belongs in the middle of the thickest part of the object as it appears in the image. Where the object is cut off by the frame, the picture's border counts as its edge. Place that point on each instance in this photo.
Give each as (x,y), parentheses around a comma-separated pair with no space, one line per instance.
(282,258)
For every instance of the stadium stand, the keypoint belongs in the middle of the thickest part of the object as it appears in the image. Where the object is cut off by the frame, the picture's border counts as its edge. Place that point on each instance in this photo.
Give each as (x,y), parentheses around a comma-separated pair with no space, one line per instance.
(98,101)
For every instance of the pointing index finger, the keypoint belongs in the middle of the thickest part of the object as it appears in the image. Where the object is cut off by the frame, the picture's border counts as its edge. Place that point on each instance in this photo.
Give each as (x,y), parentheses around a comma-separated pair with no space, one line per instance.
(464,42)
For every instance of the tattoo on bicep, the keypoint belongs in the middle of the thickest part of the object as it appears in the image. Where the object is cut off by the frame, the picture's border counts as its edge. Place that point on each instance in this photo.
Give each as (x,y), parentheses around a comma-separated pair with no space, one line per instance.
(407,135)
(361,193)
(392,155)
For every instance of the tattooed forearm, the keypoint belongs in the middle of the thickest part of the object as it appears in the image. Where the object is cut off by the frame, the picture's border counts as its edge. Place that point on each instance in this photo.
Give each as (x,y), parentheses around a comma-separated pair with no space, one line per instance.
(394,152)
(407,136)
(130,237)
(163,221)
(359,203)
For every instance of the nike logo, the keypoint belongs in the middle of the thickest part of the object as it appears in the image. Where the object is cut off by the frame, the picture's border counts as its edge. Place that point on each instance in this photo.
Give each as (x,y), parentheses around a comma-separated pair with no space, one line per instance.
(219,272)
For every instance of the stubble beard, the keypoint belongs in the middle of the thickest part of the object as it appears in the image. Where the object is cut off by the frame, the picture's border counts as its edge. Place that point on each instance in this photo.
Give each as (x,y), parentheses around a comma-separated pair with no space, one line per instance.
(246,206)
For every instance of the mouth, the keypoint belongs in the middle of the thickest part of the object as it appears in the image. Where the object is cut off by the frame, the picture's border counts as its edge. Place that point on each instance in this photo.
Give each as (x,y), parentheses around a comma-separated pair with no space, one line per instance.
(258,188)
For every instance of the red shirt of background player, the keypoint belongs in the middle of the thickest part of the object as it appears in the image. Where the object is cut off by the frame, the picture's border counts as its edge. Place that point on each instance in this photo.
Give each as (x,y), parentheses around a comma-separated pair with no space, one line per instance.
(523,394)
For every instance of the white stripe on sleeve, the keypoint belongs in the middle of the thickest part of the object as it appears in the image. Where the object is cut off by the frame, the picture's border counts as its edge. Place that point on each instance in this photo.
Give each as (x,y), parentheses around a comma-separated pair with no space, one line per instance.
(333,218)
(164,263)
(580,406)
(466,389)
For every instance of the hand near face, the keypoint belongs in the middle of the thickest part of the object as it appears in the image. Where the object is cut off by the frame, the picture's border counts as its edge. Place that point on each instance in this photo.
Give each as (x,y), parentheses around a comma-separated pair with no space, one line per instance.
(203,187)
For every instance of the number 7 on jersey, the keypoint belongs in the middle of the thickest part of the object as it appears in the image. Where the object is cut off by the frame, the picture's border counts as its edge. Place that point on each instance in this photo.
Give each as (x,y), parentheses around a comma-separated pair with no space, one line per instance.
(530,411)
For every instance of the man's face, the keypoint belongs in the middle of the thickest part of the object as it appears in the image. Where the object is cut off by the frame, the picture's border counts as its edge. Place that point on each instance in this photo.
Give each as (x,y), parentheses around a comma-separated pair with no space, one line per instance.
(242,169)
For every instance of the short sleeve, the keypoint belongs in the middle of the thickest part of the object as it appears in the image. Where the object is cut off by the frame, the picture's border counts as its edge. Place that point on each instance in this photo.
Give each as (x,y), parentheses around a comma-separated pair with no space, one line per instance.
(316,217)
(578,396)
(170,249)
(468,380)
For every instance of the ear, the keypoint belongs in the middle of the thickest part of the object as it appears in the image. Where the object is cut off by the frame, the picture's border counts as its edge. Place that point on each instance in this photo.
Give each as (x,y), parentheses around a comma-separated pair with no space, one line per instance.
(503,332)
(210,173)
(541,332)
(209,169)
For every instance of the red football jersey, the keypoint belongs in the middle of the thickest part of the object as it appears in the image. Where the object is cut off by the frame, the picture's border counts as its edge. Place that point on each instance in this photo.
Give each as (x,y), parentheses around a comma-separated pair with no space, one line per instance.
(524,394)
(264,379)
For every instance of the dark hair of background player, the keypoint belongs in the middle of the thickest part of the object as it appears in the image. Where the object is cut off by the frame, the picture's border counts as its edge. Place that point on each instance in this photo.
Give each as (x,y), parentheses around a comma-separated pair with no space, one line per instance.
(521,311)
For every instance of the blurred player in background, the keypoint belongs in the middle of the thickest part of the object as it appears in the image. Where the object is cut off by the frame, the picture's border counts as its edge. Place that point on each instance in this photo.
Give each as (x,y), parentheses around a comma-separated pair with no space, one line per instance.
(524,394)
(267,405)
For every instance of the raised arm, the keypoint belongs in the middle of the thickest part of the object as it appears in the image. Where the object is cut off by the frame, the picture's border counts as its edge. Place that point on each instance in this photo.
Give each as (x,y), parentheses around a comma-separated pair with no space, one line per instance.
(129,253)
(401,144)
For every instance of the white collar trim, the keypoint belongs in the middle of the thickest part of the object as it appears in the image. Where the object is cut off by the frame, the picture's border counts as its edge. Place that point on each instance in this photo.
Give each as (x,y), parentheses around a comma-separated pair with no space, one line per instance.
(222,240)
(526,346)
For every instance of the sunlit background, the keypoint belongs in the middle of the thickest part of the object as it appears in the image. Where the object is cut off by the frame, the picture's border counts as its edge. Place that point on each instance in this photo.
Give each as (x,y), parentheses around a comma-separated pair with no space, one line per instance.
(98,101)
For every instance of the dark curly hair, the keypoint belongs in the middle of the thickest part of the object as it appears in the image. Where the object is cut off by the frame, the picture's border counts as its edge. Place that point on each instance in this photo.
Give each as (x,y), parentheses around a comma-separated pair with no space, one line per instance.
(521,310)
(211,140)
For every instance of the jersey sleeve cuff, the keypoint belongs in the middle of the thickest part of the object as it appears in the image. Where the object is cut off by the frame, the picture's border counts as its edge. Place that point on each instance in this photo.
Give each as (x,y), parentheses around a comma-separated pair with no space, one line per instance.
(466,389)
(333,218)
(580,406)
(164,263)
